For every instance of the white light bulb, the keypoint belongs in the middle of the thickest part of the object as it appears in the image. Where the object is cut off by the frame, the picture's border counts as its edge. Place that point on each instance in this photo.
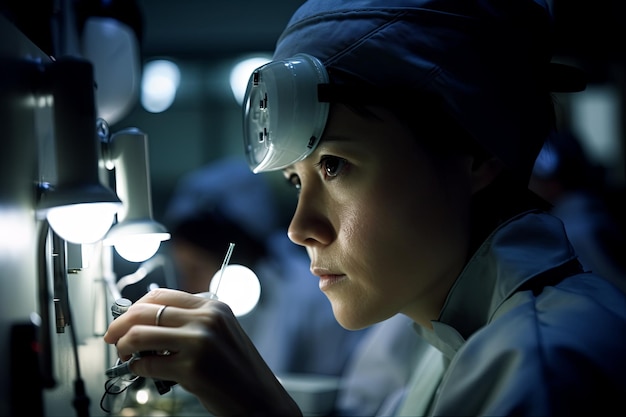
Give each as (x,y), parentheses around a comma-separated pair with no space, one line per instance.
(159,84)
(142,396)
(82,223)
(239,288)
(139,247)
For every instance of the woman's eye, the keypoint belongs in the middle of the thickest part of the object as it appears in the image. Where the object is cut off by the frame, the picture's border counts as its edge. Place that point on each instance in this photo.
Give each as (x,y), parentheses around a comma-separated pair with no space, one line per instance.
(332,165)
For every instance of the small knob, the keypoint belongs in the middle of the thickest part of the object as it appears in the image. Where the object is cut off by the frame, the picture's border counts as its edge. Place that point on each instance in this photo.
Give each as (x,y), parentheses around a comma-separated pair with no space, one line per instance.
(120,306)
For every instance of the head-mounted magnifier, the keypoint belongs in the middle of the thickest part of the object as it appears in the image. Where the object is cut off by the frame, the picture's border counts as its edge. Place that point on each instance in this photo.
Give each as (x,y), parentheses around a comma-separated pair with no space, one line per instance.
(283,117)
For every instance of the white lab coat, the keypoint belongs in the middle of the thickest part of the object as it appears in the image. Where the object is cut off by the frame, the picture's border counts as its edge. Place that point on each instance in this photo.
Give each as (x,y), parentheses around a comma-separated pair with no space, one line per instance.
(380,368)
(523,333)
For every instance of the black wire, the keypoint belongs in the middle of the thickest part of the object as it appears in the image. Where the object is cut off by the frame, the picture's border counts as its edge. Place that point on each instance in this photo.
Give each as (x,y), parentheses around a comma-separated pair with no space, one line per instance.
(47,374)
(109,383)
(81,399)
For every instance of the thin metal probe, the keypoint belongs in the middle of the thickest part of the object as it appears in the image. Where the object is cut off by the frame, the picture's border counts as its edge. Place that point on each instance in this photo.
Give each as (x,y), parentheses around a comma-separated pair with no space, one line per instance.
(229,252)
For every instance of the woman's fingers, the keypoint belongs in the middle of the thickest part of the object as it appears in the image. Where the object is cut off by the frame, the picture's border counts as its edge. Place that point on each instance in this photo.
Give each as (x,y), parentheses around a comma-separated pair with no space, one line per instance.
(164,351)
(169,297)
(208,352)
(138,314)
(164,308)
(185,327)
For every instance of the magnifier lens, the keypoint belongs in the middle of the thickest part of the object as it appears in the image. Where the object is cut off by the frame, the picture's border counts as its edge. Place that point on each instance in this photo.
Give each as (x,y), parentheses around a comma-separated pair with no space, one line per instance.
(283,118)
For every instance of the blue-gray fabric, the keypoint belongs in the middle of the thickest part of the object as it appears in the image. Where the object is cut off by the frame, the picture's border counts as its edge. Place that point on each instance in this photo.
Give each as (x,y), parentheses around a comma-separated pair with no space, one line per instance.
(487,59)
(516,347)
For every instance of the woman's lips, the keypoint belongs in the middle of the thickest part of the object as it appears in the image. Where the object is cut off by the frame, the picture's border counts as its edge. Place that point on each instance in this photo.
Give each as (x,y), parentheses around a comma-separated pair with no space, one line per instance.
(326,281)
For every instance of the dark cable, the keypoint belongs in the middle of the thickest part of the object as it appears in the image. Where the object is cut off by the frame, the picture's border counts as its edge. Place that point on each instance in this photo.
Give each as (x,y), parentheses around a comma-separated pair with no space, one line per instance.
(47,375)
(81,399)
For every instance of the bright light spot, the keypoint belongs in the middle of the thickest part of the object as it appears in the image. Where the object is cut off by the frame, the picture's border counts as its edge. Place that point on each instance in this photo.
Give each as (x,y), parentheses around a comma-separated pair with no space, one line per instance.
(240,75)
(595,117)
(139,247)
(159,84)
(82,223)
(142,396)
(44,101)
(13,223)
(239,288)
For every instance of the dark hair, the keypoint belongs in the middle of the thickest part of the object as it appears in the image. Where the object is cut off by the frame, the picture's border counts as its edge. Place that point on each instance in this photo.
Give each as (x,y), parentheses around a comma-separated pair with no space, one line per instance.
(437,130)
(502,199)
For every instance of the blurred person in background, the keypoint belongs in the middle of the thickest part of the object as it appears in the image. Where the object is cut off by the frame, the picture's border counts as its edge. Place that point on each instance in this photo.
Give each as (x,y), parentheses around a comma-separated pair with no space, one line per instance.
(564,175)
(292,326)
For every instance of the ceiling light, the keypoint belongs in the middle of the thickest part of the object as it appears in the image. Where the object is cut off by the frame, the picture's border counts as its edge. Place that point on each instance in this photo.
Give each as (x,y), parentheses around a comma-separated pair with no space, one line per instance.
(159,84)
(240,74)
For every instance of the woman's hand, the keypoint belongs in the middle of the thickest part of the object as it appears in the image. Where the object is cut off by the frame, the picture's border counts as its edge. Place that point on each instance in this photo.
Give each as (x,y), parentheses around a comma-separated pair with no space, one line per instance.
(210,354)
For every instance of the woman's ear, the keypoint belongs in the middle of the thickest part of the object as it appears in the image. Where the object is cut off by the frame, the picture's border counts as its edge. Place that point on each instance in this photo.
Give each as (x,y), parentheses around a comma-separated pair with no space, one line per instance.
(485,172)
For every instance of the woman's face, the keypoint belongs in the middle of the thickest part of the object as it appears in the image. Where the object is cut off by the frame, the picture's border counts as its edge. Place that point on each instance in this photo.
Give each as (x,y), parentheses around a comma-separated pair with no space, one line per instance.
(384,221)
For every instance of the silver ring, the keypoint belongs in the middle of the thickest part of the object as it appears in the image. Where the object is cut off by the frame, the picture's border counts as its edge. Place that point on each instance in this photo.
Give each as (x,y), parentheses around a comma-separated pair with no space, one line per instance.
(158,315)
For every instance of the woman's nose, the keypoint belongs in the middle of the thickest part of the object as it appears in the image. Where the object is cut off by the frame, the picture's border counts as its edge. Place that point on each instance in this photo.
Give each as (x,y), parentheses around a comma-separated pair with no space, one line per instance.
(309,225)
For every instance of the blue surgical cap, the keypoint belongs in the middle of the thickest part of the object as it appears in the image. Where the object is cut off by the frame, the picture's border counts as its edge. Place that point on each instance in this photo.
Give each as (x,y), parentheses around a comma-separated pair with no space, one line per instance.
(487,60)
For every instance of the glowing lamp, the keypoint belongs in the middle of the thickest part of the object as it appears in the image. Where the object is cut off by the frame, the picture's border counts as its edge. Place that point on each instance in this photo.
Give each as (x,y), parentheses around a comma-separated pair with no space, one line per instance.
(136,236)
(78,207)
(238,286)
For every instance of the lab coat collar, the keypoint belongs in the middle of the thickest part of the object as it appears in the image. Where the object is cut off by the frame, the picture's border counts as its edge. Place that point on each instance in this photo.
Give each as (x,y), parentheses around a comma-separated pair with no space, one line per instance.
(519,250)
